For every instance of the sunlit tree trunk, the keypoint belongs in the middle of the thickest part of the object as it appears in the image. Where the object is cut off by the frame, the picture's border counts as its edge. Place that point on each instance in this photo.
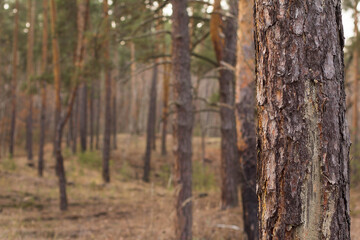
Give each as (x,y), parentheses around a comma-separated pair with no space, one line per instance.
(245,117)
(151,121)
(303,139)
(14,80)
(107,115)
(183,119)
(43,88)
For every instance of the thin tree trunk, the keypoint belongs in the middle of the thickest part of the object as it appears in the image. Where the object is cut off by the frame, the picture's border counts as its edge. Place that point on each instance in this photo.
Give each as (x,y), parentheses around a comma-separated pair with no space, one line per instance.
(165,110)
(114,118)
(43,89)
(98,113)
(226,56)
(14,81)
(151,121)
(91,108)
(183,119)
(107,115)
(75,122)
(303,139)
(134,128)
(83,116)
(355,120)
(245,117)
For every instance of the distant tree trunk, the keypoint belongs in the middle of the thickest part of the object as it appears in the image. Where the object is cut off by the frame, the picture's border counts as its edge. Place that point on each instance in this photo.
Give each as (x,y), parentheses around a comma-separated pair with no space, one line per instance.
(29,74)
(134,104)
(303,139)
(75,124)
(165,110)
(43,88)
(183,119)
(107,115)
(226,56)
(14,80)
(83,116)
(355,120)
(150,124)
(91,108)
(98,113)
(245,117)
(114,97)
(114,123)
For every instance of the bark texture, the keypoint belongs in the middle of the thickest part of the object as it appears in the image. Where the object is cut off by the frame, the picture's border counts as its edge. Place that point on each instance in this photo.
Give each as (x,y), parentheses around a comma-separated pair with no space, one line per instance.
(151,121)
(355,120)
(43,88)
(245,117)
(14,81)
(303,139)
(183,119)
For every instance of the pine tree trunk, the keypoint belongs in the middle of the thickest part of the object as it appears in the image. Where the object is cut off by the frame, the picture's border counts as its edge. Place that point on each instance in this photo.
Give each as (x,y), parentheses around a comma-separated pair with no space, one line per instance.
(107,115)
(303,140)
(114,120)
(355,120)
(83,116)
(165,110)
(229,152)
(183,119)
(134,128)
(14,81)
(91,108)
(245,117)
(75,122)
(43,89)
(150,125)
(98,113)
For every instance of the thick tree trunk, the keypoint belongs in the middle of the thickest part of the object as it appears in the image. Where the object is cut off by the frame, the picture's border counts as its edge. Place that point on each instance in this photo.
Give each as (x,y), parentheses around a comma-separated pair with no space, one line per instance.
(14,81)
(83,116)
(107,115)
(29,75)
(183,119)
(165,110)
(150,125)
(229,152)
(43,88)
(303,140)
(245,117)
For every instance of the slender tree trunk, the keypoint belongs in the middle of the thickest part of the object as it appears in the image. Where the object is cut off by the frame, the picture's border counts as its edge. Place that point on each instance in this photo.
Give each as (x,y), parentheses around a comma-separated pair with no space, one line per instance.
(245,117)
(107,116)
(226,56)
(134,128)
(150,125)
(83,116)
(43,88)
(91,108)
(98,113)
(355,120)
(165,110)
(114,118)
(183,119)
(75,122)
(14,81)
(303,139)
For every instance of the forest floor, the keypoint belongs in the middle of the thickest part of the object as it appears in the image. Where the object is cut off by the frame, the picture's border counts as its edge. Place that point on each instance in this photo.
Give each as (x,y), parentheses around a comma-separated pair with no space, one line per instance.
(126,208)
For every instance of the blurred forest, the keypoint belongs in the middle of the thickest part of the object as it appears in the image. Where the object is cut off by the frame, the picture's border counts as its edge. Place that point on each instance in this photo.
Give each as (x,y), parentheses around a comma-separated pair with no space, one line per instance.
(144,119)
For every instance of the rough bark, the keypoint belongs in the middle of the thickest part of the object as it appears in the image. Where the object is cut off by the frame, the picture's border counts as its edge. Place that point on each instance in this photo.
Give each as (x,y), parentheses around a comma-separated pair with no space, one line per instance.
(245,105)
(151,121)
(14,81)
(107,115)
(355,119)
(303,140)
(225,49)
(183,119)
(43,88)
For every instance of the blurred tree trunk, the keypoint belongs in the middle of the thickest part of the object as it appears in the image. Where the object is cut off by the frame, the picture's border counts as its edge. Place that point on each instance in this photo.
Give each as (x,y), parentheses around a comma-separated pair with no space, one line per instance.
(29,75)
(165,110)
(134,128)
(107,115)
(114,97)
(245,117)
(91,108)
(43,88)
(14,80)
(303,139)
(355,120)
(151,121)
(183,119)
(225,49)
(98,113)
(83,115)
(75,124)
